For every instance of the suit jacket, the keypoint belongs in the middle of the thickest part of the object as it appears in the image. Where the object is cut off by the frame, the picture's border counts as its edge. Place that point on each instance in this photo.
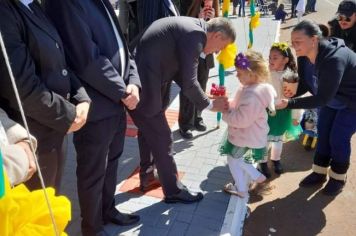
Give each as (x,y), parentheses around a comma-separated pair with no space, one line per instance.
(45,84)
(93,52)
(169,51)
(150,10)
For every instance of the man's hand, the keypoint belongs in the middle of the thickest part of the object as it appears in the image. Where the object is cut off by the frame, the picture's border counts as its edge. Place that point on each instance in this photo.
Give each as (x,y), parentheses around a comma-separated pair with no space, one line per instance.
(283,103)
(82,110)
(220,104)
(31,159)
(133,97)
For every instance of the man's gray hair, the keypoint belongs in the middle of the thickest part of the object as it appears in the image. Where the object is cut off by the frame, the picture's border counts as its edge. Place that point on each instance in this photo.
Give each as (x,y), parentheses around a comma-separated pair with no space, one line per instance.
(223,25)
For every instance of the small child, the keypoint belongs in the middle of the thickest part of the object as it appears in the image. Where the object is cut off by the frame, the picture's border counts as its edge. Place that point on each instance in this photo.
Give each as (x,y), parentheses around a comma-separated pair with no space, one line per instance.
(247,122)
(284,126)
(280,13)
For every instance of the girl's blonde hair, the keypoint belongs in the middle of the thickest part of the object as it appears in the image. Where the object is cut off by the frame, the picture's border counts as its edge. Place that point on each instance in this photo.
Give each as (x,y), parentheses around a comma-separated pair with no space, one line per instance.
(258,66)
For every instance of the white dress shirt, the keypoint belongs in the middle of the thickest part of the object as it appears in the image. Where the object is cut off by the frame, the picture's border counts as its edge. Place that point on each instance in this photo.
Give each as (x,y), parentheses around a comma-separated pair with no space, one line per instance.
(26,3)
(119,42)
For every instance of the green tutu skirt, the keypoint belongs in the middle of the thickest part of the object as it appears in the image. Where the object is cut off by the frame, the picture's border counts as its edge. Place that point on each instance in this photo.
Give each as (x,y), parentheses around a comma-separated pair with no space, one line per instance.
(250,155)
(281,125)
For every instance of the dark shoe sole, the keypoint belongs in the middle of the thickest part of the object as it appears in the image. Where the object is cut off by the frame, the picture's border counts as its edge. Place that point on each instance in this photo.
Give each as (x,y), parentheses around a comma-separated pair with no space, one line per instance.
(310,185)
(185,136)
(175,200)
(131,221)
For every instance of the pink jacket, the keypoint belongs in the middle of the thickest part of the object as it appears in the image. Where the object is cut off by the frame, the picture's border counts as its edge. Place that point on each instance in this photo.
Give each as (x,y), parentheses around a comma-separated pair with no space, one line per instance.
(247,115)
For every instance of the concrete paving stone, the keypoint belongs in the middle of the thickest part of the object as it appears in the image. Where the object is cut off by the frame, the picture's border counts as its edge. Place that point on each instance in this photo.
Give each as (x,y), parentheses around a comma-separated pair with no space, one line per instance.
(210,161)
(153,231)
(201,230)
(195,186)
(186,208)
(209,223)
(184,217)
(188,169)
(218,196)
(211,187)
(217,181)
(178,229)
(166,220)
(205,169)
(212,209)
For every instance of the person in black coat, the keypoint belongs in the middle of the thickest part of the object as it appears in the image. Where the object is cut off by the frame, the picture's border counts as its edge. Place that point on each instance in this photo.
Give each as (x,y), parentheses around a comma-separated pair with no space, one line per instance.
(98,54)
(335,70)
(54,101)
(150,10)
(169,51)
(343,26)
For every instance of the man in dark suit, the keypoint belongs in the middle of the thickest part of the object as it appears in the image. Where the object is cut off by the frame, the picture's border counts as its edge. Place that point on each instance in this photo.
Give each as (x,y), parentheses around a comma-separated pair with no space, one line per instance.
(168,51)
(98,54)
(54,101)
(189,116)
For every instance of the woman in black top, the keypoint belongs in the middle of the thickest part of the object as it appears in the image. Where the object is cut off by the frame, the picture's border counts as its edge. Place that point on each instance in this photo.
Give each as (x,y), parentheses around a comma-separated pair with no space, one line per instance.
(335,69)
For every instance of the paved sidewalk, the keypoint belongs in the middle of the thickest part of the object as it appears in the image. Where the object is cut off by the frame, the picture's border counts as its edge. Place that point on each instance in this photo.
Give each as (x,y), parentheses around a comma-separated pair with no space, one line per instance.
(199,164)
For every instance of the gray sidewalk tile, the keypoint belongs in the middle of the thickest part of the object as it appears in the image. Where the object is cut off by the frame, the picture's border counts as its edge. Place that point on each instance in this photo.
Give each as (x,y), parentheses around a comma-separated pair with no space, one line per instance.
(178,229)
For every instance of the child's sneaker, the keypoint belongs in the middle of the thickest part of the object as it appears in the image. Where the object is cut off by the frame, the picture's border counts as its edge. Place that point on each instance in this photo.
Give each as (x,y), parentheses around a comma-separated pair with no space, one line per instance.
(263,168)
(278,169)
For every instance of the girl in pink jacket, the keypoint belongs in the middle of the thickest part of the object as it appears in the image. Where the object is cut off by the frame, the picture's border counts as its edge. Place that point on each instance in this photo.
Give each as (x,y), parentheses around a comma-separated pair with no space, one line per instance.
(247,122)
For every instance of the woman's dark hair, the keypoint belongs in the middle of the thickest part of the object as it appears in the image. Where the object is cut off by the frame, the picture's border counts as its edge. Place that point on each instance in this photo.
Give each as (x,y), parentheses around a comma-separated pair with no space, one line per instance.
(325,32)
(310,28)
(291,64)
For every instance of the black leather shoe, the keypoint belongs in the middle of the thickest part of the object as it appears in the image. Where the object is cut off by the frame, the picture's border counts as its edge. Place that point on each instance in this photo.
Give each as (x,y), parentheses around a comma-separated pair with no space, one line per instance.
(333,187)
(263,168)
(186,134)
(200,126)
(122,219)
(278,169)
(148,182)
(184,196)
(313,179)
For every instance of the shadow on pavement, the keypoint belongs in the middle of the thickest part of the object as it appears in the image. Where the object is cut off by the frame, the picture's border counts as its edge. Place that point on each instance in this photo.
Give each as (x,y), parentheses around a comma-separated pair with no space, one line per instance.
(299,213)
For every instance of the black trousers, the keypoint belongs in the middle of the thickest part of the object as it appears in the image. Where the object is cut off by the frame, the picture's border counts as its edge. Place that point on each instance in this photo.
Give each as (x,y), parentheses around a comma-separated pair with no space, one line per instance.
(52,165)
(99,146)
(155,143)
(189,115)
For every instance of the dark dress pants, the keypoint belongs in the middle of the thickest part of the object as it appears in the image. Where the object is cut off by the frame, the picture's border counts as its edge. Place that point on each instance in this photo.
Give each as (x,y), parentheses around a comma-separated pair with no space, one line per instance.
(189,115)
(52,165)
(99,145)
(155,143)
(335,130)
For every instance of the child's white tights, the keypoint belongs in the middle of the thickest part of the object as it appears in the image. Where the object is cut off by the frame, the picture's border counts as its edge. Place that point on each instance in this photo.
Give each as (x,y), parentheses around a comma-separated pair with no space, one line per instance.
(276,151)
(242,173)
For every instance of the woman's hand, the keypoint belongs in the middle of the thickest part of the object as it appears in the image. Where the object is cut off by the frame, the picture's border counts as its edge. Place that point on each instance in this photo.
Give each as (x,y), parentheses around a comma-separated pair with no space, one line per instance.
(281,104)
(31,158)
